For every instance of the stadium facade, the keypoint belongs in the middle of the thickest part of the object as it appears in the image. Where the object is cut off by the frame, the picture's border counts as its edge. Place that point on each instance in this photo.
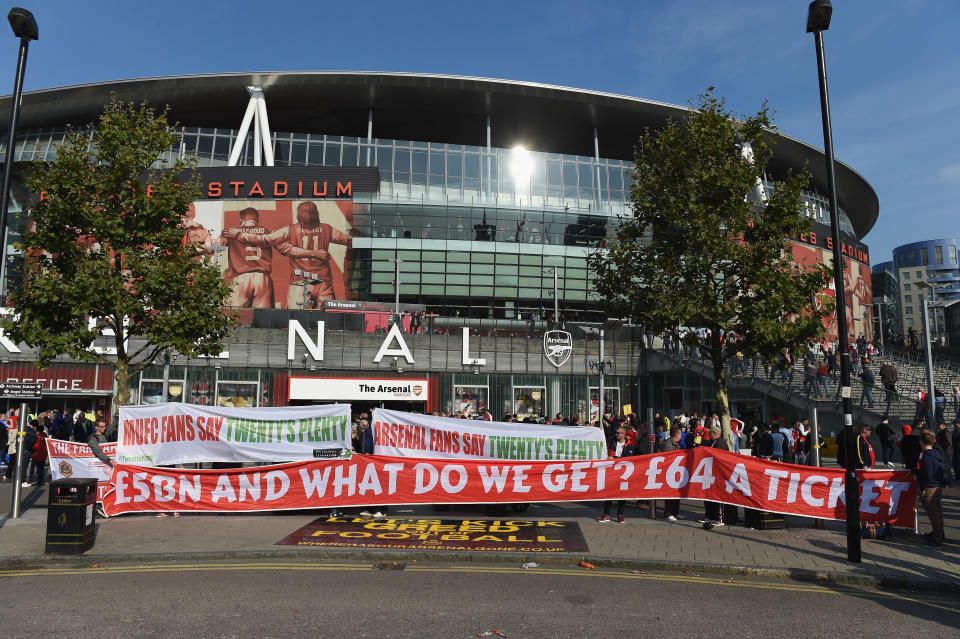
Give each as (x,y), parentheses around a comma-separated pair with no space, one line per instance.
(470,204)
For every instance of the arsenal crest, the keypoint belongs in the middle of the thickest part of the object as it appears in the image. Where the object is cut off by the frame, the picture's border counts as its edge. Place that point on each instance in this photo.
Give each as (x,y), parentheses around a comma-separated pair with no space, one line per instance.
(557,347)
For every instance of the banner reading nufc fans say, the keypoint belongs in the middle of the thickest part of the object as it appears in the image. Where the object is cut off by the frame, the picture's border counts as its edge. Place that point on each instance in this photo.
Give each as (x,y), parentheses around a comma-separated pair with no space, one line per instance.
(399,434)
(369,480)
(176,433)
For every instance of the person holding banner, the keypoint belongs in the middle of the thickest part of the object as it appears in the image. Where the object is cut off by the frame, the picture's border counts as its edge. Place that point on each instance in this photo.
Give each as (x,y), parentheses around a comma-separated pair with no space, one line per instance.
(98,437)
(618,447)
(713,510)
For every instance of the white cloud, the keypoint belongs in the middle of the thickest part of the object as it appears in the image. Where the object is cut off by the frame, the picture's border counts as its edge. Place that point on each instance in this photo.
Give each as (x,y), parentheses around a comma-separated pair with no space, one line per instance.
(950,173)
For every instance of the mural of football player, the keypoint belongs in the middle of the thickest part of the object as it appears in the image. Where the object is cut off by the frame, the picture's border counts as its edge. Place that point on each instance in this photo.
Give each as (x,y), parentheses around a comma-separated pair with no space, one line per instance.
(197,234)
(249,265)
(306,243)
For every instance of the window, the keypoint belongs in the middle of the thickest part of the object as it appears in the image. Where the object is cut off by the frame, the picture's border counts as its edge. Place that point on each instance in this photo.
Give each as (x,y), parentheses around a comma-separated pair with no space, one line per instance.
(924,258)
(952,250)
(909,321)
(908,299)
(909,310)
(906,287)
(919,275)
(938,254)
(906,275)
(911,258)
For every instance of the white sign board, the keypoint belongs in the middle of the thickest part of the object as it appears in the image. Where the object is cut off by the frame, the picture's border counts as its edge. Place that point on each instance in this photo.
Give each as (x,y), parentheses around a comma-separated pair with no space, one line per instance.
(400,434)
(177,433)
(356,388)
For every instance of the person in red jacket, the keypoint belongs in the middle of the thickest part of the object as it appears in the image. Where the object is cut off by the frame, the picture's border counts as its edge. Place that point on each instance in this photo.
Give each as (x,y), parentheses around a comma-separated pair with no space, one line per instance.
(38,460)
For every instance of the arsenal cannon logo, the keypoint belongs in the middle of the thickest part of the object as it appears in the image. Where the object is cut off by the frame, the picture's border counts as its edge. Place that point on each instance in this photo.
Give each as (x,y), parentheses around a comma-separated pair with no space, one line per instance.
(557,346)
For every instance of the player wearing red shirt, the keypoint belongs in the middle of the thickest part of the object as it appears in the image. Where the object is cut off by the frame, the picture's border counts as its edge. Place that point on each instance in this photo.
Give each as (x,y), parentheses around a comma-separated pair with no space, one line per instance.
(249,264)
(306,243)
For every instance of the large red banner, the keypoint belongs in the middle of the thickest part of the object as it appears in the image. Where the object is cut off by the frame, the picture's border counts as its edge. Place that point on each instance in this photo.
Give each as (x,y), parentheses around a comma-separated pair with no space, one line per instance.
(369,480)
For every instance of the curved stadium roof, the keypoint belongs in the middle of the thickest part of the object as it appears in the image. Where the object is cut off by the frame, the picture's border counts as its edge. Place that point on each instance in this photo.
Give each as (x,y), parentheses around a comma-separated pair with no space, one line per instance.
(437,108)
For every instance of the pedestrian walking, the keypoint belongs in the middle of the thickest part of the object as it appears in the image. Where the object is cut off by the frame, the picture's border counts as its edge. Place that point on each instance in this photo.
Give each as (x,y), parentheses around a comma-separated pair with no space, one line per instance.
(868,383)
(885,435)
(931,478)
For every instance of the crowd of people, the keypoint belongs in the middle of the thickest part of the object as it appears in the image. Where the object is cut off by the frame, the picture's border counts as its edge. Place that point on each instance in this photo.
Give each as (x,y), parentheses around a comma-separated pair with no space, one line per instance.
(78,426)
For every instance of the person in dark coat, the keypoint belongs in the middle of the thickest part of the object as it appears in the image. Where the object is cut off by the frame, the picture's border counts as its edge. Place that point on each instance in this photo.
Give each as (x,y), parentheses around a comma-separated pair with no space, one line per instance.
(616,448)
(931,475)
(885,435)
(945,443)
(910,446)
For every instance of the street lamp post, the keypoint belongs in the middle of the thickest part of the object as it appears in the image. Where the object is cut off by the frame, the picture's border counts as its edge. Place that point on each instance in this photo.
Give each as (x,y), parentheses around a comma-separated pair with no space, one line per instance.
(818,21)
(931,392)
(879,306)
(24,26)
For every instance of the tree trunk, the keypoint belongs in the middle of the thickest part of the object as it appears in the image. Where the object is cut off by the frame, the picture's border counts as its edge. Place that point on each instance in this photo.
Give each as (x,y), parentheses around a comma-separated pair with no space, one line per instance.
(721,395)
(122,377)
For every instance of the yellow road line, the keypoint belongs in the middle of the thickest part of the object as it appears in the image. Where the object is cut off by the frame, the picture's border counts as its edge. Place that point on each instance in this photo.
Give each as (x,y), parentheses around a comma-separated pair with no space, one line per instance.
(364,567)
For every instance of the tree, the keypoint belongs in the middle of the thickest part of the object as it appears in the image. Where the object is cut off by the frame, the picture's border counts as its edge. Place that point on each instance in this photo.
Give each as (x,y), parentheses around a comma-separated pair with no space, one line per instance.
(105,254)
(706,246)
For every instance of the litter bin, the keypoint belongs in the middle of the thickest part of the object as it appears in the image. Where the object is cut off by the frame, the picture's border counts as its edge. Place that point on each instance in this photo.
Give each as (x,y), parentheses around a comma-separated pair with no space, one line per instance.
(70,516)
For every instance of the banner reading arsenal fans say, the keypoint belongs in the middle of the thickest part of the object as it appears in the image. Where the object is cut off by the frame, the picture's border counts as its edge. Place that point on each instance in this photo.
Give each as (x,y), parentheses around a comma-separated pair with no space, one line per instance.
(176,433)
(700,473)
(75,459)
(399,434)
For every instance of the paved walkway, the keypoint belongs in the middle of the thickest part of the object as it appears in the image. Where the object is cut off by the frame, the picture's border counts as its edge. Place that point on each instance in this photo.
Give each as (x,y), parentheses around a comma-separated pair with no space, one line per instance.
(801,551)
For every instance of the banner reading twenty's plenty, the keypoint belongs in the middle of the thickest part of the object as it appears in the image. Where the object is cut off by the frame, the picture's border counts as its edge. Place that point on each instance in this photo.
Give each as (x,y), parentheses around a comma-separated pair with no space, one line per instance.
(399,434)
(369,480)
(175,433)
(75,459)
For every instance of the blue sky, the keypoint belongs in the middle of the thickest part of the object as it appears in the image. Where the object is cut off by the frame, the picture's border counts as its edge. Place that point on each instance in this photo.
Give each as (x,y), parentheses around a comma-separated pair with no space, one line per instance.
(892,65)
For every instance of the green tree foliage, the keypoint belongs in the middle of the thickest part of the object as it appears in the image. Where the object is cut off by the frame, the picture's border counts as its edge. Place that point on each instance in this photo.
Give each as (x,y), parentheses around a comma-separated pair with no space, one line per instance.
(103,248)
(707,248)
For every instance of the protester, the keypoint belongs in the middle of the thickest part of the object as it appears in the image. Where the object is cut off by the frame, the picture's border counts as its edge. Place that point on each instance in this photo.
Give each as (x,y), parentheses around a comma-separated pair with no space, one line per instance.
(713,510)
(671,507)
(98,437)
(864,456)
(616,448)
(931,477)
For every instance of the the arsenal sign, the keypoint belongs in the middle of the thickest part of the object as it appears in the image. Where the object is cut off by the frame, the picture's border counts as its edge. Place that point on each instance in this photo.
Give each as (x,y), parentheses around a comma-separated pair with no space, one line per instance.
(557,347)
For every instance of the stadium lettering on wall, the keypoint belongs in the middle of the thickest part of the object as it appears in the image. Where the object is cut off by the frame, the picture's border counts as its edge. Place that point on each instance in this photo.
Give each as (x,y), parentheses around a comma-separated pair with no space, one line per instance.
(820,237)
(253,182)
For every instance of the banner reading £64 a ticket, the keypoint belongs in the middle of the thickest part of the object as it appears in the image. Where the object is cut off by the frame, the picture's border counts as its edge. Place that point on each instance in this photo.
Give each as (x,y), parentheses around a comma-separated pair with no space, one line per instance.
(176,433)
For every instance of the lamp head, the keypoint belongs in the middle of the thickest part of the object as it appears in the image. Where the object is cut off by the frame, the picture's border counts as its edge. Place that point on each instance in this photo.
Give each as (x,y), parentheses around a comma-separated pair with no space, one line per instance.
(23,23)
(818,15)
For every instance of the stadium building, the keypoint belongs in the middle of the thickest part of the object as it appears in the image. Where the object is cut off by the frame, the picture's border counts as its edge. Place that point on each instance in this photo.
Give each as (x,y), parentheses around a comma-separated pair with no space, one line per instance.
(468,204)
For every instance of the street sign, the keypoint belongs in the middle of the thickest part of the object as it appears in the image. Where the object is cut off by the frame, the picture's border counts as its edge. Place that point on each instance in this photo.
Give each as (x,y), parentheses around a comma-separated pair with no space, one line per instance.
(20,390)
